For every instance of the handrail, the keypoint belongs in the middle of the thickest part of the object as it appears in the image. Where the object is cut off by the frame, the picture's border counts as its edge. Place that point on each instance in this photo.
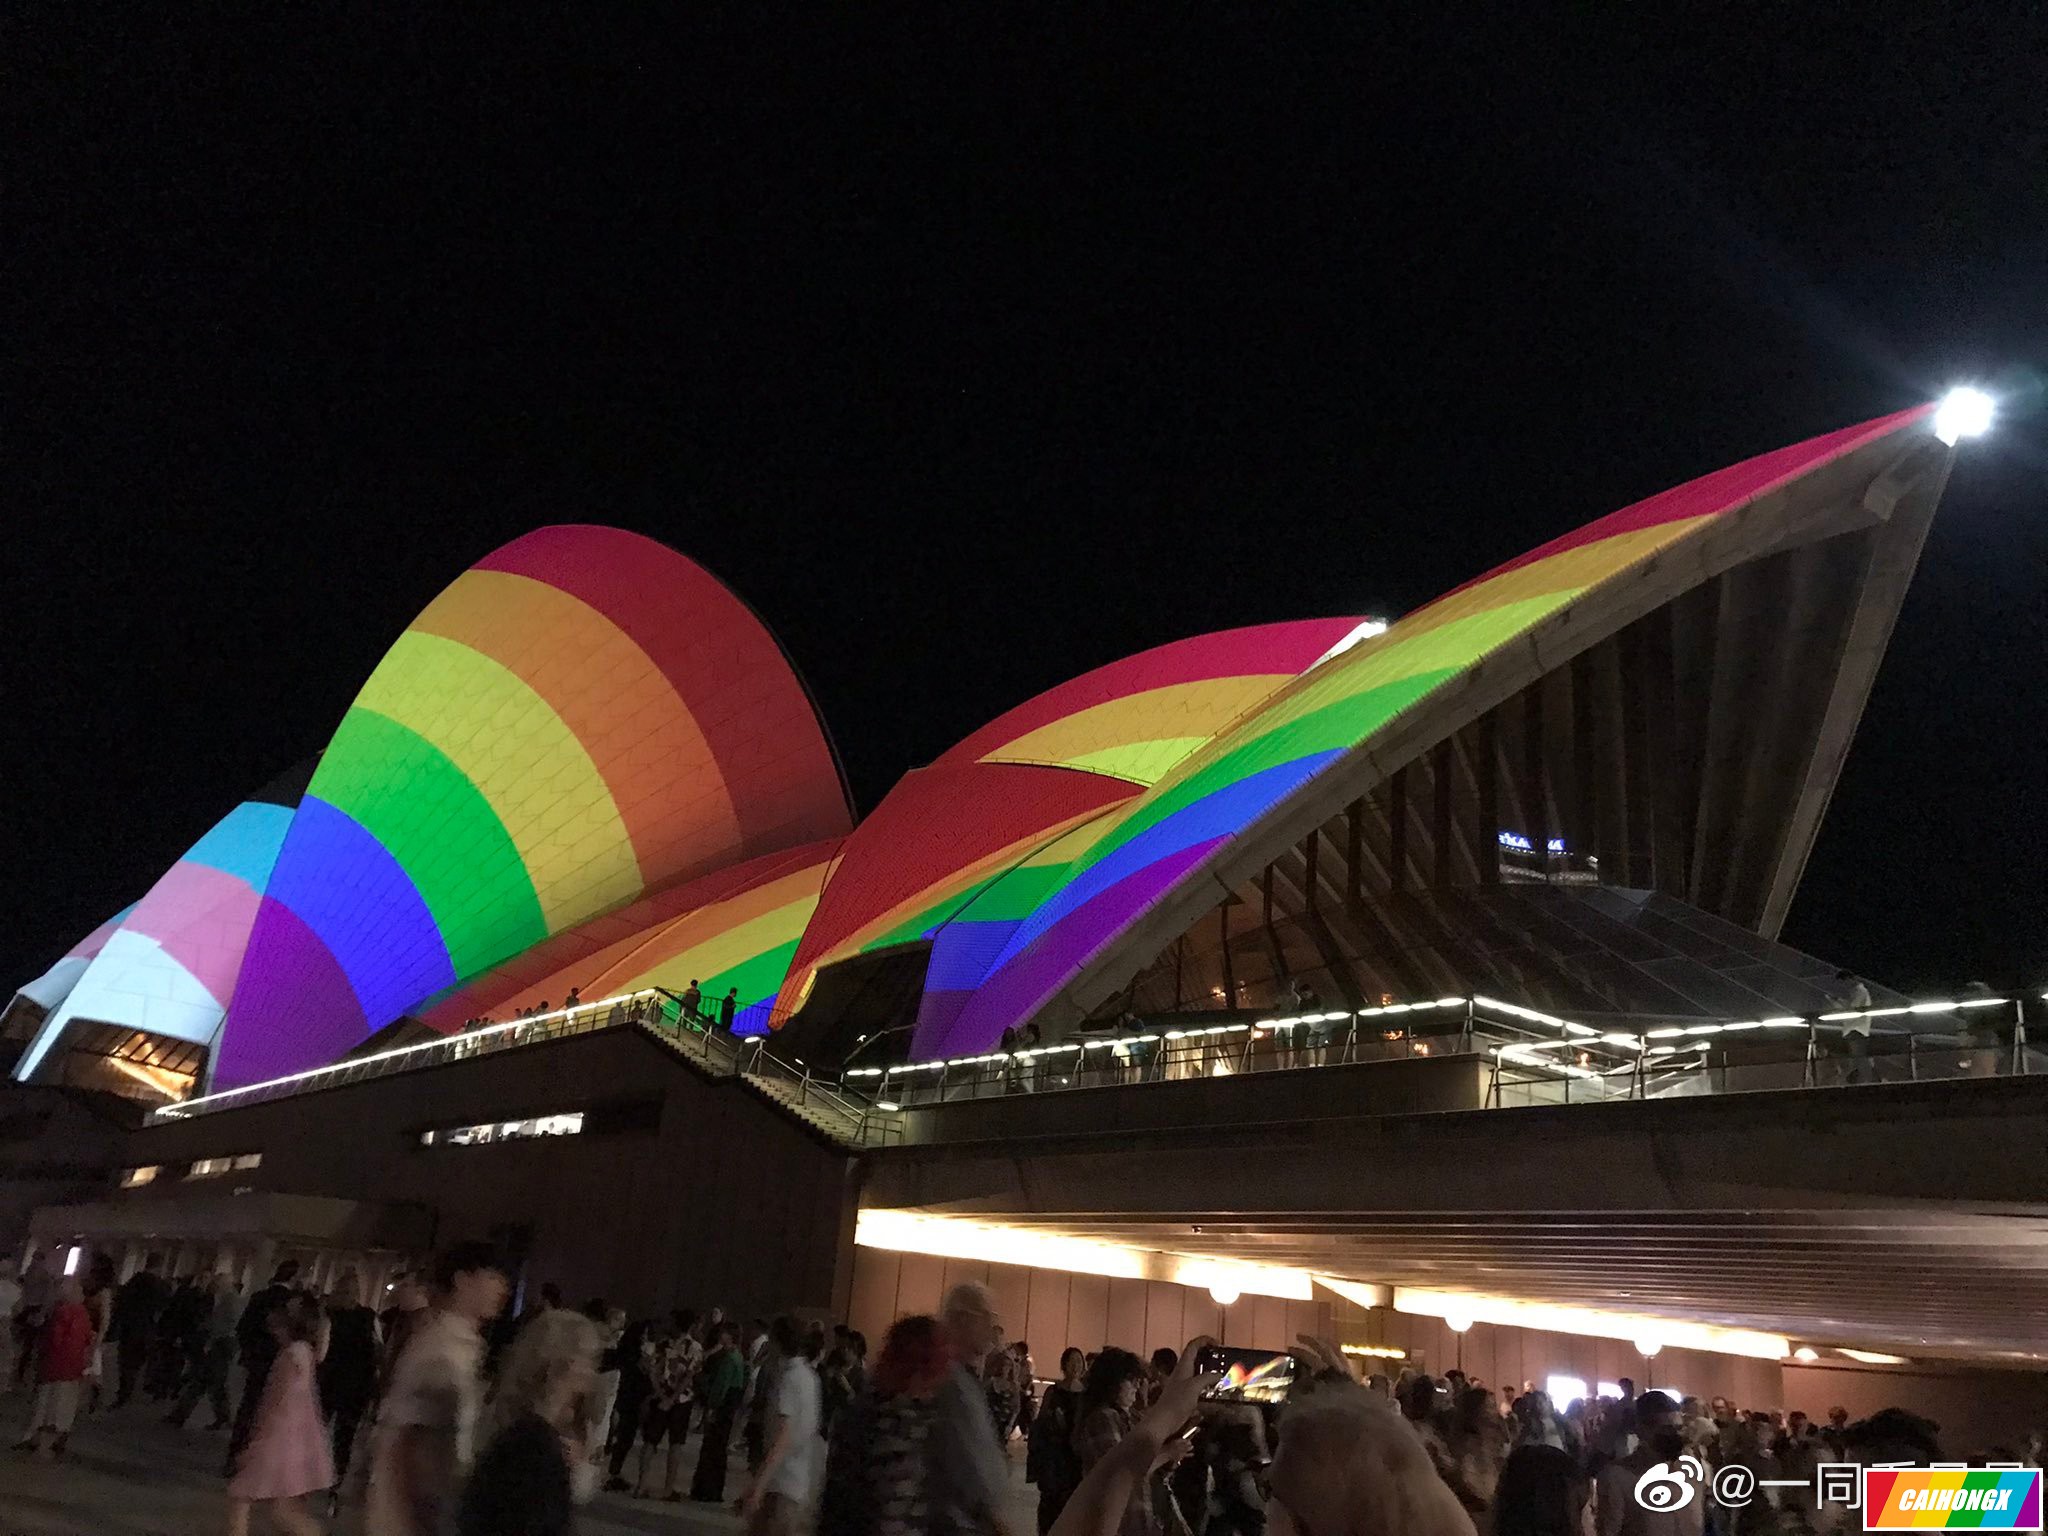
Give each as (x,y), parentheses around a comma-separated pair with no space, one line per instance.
(1673,1056)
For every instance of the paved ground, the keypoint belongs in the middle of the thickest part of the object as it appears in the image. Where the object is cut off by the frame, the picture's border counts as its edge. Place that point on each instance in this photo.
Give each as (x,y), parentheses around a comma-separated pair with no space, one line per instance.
(130,1474)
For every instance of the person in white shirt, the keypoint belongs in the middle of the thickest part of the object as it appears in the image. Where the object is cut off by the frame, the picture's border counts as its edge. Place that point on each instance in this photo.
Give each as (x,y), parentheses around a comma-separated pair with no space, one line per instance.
(787,1480)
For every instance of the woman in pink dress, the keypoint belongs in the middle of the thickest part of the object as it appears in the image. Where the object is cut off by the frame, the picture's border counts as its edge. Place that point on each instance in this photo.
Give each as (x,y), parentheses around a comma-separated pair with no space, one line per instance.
(288,1455)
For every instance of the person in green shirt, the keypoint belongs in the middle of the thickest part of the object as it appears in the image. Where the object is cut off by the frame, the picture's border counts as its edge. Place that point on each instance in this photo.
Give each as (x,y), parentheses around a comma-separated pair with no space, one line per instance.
(720,1386)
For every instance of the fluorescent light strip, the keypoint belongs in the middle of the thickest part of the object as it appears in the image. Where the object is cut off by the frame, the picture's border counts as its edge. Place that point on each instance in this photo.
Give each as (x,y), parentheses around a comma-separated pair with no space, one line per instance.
(1591,1322)
(990,1242)
(335,1068)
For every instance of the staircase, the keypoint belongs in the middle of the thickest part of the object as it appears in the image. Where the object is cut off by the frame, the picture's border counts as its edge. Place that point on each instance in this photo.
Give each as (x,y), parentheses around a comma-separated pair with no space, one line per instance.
(834,1113)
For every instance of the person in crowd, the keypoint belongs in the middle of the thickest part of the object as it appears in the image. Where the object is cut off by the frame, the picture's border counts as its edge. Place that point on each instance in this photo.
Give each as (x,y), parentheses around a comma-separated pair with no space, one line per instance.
(835,1383)
(761,1367)
(257,1347)
(1348,1464)
(138,1305)
(63,1350)
(1112,1396)
(1158,1371)
(426,1423)
(1542,1492)
(1660,1439)
(1892,1435)
(1476,1442)
(970,1473)
(1536,1423)
(99,1305)
(610,1323)
(693,1004)
(1835,1436)
(1232,1448)
(287,1455)
(10,1304)
(1027,1387)
(629,1358)
(348,1372)
(787,1480)
(180,1336)
(535,1438)
(728,1005)
(720,1388)
(208,1377)
(409,1310)
(1050,1460)
(31,1308)
(999,1384)
(882,1469)
(673,1358)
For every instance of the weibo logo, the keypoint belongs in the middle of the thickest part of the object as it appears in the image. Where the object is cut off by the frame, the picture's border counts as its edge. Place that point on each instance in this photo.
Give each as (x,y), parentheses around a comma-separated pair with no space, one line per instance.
(1662,1489)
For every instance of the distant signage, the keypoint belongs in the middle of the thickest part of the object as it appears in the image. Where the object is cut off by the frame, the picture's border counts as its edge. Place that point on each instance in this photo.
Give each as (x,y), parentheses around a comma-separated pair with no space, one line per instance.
(1521,844)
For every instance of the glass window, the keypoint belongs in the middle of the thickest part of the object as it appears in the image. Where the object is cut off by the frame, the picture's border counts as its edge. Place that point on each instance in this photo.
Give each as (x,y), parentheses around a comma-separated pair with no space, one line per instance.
(131,1177)
(504,1130)
(214,1167)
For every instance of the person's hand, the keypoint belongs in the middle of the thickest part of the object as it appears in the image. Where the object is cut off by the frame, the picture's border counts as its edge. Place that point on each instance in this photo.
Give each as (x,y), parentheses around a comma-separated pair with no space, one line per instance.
(1182,1391)
(1173,1453)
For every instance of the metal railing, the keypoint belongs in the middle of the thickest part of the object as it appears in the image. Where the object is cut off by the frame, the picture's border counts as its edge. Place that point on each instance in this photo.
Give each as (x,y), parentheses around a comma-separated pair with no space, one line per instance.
(1535,1057)
(841,1112)
(1809,1053)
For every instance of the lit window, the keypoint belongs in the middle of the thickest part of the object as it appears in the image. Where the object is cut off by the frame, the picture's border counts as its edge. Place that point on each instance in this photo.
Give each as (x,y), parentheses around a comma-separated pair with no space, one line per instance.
(504,1130)
(131,1177)
(1564,1390)
(214,1167)
(1609,1389)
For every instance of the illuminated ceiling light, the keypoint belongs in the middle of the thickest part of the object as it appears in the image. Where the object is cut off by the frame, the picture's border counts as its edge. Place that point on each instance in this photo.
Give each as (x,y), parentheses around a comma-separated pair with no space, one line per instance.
(1374,1351)
(990,1242)
(1649,1348)
(1226,1282)
(1591,1322)
(1457,1322)
(1963,412)
(1872,1357)
(1806,1352)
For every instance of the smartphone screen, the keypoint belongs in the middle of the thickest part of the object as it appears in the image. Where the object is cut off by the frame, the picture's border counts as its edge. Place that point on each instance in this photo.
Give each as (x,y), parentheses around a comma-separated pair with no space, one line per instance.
(1249,1375)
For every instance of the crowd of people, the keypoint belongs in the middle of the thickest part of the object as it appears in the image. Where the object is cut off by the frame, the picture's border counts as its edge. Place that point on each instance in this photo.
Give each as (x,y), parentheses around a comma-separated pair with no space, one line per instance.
(441,1412)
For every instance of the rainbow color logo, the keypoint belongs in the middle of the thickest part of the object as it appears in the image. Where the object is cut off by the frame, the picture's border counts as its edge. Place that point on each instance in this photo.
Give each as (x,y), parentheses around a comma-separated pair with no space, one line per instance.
(1952,1499)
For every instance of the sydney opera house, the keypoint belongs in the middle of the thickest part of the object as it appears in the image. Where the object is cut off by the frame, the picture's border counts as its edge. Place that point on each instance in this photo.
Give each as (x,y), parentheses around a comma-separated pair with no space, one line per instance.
(1566,805)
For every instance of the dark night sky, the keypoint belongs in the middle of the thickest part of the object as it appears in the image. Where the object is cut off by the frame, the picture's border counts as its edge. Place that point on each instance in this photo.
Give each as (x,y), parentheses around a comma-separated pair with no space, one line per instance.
(975,359)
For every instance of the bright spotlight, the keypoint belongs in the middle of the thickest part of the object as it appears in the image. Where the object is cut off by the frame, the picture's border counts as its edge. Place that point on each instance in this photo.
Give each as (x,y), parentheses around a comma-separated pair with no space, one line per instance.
(1963,412)
(1223,1293)
(1649,1348)
(1457,1322)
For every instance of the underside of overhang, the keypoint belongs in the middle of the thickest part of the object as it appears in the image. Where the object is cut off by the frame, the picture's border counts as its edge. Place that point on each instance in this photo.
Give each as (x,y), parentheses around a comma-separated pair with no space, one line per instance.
(1906,1217)
(1948,1285)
